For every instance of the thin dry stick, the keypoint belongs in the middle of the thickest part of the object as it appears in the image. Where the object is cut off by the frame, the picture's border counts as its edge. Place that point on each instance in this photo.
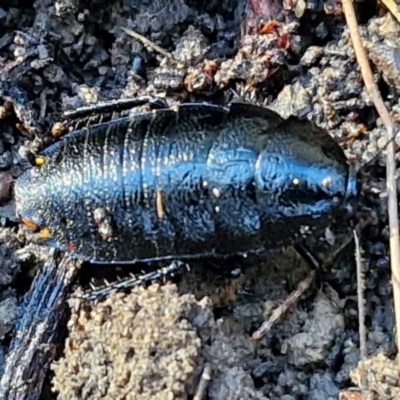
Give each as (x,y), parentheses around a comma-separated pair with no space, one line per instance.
(360,298)
(281,310)
(149,43)
(390,163)
(204,381)
(361,314)
(32,348)
(393,8)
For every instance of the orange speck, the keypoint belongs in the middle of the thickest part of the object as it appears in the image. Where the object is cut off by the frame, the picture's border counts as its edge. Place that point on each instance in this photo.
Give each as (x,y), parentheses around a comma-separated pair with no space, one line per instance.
(30,224)
(44,233)
(22,128)
(209,68)
(159,204)
(283,41)
(351,395)
(58,129)
(268,27)
(39,161)
(70,246)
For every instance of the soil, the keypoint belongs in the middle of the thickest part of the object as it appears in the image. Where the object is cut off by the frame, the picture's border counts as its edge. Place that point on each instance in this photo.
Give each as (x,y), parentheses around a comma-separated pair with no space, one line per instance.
(153,342)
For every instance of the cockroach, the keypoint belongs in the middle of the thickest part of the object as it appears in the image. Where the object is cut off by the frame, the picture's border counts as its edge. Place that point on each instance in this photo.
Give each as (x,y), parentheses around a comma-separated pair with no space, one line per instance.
(198,180)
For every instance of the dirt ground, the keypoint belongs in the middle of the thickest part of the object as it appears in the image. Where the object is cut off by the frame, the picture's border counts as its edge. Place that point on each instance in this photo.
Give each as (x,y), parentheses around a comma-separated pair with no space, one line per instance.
(154,342)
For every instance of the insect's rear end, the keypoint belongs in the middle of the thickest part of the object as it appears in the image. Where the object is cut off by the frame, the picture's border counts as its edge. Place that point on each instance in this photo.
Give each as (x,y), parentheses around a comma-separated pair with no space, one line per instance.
(202,180)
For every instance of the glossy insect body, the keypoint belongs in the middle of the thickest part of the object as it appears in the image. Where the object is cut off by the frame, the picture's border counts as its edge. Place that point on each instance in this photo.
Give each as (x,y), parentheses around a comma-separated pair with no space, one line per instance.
(198,181)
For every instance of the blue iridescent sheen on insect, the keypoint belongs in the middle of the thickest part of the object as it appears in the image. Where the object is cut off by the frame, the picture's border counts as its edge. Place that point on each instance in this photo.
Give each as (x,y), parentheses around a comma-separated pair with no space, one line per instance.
(201,180)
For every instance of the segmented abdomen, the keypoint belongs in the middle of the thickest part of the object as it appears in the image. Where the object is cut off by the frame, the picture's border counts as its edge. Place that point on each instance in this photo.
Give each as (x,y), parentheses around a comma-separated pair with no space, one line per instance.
(169,185)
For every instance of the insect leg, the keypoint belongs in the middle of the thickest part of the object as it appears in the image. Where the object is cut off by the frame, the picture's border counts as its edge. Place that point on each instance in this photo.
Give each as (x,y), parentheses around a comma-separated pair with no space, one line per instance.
(114,106)
(98,112)
(171,270)
(307,255)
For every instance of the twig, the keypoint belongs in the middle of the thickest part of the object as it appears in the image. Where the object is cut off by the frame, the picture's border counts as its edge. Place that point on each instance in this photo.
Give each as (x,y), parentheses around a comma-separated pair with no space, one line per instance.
(281,310)
(360,298)
(348,239)
(392,7)
(43,104)
(204,381)
(149,43)
(31,350)
(390,161)
(361,315)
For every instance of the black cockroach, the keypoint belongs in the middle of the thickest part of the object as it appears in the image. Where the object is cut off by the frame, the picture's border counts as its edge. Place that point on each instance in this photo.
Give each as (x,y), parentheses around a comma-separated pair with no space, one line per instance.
(199,180)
